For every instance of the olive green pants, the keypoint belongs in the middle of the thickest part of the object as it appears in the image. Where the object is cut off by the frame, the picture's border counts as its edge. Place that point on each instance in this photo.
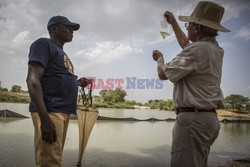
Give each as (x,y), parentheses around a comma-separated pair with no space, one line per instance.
(193,134)
(50,155)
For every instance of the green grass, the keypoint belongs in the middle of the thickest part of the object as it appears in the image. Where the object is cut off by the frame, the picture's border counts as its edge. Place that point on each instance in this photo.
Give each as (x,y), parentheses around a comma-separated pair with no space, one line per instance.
(14,97)
(112,105)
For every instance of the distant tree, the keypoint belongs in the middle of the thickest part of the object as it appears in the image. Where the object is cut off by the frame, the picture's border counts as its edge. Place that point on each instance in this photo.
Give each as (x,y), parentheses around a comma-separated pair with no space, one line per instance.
(236,102)
(4,89)
(16,88)
(113,96)
(170,105)
(150,101)
(109,97)
(97,98)
(138,104)
(132,102)
(248,107)
(153,104)
(103,92)
(161,104)
(120,95)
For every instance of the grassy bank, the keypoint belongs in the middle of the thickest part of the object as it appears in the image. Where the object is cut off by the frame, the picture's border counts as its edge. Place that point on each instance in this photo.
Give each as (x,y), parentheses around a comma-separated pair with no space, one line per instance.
(113,105)
(238,163)
(12,97)
(229,113)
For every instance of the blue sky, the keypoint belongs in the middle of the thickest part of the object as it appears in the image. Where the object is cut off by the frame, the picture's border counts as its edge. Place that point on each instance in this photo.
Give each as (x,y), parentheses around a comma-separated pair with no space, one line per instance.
(116,39)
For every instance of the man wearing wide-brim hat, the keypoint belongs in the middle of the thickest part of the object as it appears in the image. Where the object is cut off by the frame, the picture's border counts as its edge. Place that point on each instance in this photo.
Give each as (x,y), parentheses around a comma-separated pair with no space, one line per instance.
(196,74)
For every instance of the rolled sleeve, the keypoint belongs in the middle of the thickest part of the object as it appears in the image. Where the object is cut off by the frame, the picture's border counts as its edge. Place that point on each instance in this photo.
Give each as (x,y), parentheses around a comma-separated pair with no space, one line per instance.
(182,65)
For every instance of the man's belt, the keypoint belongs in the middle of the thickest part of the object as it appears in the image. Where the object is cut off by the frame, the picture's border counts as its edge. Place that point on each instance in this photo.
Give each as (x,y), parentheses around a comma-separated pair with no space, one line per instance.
(192,109)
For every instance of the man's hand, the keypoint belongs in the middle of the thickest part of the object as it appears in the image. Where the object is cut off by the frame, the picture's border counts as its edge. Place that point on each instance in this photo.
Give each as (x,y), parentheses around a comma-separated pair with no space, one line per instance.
(180,35)
(157,55)
(48,130)
(83,82)
(170,18)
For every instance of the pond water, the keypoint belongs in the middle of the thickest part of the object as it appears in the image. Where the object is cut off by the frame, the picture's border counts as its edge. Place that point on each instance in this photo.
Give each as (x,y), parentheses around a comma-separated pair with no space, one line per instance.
(116,143)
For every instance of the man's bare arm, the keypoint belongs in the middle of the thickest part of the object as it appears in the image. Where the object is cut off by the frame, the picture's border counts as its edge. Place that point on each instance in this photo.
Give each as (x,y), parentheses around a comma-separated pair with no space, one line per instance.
(180,35)
(35,73)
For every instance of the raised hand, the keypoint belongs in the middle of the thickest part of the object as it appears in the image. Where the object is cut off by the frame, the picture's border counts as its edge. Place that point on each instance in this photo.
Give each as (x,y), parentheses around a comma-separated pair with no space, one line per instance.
(157,55)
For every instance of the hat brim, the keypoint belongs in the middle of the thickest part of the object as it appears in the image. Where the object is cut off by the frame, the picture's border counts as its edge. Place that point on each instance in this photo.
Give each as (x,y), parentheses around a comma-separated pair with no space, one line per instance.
(206,23)
(75,26)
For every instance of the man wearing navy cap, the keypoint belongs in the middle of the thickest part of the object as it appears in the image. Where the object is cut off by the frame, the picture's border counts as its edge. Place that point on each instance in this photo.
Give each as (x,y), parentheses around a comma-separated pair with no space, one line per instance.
(53,89)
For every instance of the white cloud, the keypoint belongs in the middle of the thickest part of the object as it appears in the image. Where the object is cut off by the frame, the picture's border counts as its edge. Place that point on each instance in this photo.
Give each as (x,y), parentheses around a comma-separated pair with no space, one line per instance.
(112,33)
(21,37)
(106,52)
(116,7)
(244,33)
(102,54)
(233,8)
(248,88)
(226,45)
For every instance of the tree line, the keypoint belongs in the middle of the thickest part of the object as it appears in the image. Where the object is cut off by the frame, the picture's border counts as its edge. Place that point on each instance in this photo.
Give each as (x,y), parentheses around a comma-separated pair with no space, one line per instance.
(14,88)
(237,103)
(116,98)
(234,102)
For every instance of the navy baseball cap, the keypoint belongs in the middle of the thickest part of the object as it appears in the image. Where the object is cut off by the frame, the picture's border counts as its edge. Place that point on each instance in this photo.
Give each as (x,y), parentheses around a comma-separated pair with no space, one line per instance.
(63,20)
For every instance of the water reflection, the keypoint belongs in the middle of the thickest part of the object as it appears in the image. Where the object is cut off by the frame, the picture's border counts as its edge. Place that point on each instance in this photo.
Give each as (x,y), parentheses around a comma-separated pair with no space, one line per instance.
(116,143)
(236,129)
(137,113)
(158,156)
(233,140)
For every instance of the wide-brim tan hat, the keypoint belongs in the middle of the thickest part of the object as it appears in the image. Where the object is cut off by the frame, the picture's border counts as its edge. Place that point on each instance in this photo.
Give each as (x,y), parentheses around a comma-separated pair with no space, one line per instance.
(208,14)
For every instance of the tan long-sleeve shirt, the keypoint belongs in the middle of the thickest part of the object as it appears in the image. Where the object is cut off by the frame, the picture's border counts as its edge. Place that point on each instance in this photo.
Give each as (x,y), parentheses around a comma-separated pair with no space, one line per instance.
(196,74)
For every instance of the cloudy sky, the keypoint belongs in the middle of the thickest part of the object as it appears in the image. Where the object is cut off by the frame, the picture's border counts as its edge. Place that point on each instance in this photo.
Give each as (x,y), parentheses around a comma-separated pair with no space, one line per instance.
(116,39)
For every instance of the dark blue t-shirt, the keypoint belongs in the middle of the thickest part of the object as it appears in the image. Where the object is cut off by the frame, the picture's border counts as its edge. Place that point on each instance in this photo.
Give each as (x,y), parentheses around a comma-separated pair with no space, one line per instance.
(59,84)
